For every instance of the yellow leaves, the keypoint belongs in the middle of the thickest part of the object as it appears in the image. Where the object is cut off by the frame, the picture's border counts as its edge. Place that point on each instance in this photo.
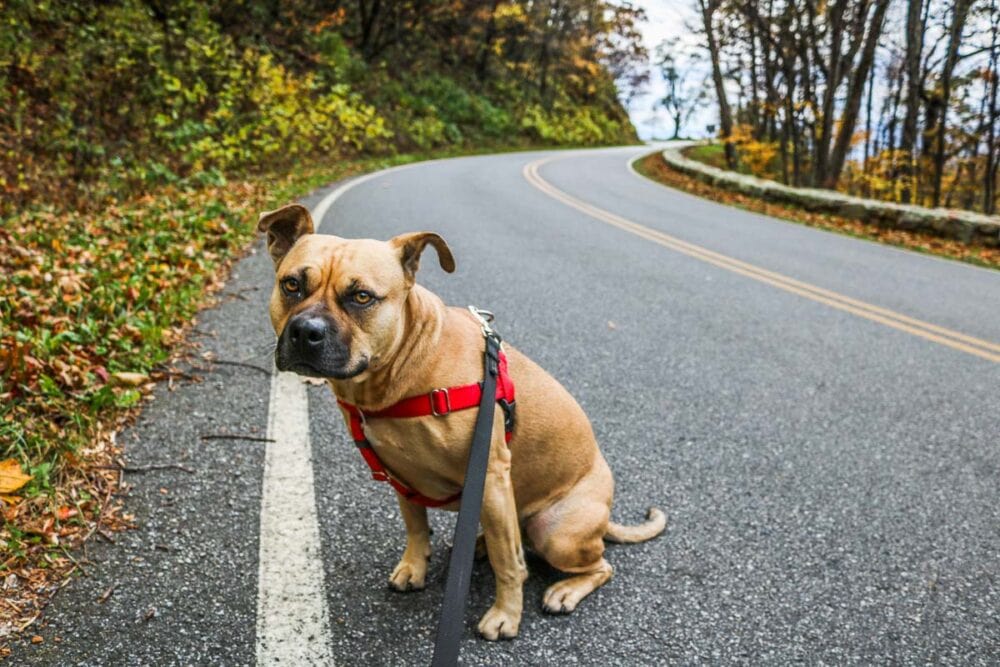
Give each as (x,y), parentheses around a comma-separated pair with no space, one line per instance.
(757,155)
(509,11)
(589,67)
(11,477)
(858,138)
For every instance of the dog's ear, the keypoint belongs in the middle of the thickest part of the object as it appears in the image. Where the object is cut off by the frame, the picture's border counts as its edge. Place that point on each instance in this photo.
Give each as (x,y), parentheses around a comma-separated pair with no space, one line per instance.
(284,226)
(409,247)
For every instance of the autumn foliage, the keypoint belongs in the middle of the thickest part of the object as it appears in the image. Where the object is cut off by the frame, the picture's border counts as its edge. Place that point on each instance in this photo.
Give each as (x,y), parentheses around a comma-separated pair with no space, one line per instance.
(102,100)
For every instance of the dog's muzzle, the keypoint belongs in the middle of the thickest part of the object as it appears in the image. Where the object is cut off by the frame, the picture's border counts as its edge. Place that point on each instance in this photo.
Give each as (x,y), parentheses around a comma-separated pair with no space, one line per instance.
(311,345)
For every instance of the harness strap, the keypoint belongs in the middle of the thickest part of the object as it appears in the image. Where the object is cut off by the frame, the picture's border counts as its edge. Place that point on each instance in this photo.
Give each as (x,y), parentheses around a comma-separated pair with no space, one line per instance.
(438,403)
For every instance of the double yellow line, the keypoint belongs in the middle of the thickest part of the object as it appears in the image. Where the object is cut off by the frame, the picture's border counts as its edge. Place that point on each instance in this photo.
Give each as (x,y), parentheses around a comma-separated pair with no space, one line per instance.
(932,332)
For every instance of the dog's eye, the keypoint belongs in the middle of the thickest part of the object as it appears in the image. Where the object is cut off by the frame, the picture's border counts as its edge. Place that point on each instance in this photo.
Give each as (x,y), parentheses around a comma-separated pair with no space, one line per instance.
(362,298)
(290,286)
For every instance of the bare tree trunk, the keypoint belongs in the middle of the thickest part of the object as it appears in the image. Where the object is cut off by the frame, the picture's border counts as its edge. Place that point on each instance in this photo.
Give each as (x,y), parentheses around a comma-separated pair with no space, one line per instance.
(990,171)
(916,25)
(369,14)
(755,116)
(708,8)
(892,104)
(821,151)
(784,153)
(808,100)
(868,130)
(553,13)
(959,16)
(483,62)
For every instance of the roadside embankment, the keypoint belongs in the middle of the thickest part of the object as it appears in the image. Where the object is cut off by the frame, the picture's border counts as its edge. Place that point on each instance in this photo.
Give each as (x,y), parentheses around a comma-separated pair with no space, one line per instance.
(964,226)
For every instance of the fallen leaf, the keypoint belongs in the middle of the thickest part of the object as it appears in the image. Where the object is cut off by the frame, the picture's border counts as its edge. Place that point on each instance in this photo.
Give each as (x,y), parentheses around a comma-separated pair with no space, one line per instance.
(37,639)
(64,513)
(11,477)
(130,379)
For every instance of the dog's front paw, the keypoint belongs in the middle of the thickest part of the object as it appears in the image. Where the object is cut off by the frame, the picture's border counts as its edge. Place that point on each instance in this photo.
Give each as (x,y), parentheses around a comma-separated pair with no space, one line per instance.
(499,624)
(408,576)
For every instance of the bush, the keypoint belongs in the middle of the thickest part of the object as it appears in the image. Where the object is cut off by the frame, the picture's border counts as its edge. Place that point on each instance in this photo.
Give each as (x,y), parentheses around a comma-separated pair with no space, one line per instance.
(567,124)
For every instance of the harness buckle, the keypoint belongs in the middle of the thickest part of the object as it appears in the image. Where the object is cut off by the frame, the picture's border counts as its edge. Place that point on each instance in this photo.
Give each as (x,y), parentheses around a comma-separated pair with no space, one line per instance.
(508,414)
(447,402)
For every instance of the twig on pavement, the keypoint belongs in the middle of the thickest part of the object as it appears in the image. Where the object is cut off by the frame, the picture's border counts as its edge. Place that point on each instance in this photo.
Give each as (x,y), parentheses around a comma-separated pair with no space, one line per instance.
(227,436)
(147,468)
(107,594)
(159,466)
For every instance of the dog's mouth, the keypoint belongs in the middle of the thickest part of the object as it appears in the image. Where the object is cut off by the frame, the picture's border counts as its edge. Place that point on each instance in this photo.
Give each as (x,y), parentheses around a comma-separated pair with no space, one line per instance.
(307,369)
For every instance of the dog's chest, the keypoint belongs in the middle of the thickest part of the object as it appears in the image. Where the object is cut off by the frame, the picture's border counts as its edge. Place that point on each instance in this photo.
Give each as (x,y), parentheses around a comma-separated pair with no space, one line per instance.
(429,453)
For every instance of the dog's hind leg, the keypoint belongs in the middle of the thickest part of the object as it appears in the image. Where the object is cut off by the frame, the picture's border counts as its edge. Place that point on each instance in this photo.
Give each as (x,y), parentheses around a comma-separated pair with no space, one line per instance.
(411,571)
(563,596)
(570,536)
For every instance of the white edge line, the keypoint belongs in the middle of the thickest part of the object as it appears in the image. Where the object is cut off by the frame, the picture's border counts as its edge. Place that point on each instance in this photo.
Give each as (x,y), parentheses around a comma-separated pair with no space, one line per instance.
(293,623)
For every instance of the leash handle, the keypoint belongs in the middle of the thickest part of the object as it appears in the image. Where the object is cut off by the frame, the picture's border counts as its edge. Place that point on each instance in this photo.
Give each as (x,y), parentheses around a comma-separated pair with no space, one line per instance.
(451,622)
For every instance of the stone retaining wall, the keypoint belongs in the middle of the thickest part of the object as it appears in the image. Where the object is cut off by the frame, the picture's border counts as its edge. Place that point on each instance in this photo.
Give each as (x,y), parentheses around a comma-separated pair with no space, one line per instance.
(964,226)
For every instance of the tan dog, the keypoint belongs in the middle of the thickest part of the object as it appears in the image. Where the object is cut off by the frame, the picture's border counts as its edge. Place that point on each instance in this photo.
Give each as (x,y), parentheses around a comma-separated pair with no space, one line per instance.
(348,310)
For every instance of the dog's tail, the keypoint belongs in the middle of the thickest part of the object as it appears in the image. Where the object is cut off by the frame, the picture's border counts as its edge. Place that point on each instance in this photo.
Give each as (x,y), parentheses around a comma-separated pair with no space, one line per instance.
(655,522)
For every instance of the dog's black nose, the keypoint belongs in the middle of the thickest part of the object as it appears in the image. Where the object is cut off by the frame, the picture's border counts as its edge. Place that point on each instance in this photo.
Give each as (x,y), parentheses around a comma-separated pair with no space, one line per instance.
(307,333)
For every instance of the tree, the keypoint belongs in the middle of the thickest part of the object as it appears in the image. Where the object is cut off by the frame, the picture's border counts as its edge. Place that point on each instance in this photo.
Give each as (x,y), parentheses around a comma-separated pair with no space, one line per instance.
(907,86)
(991,76)
(855,88)
(683,97)
(625,55)
(916,26)
(708,11)
(942,96)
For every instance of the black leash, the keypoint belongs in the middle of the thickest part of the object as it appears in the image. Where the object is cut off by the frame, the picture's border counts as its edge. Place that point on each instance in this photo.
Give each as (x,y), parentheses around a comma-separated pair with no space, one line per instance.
(463,550)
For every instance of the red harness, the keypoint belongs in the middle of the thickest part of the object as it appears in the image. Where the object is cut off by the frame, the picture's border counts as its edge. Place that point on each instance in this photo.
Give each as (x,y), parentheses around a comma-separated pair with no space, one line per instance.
(437,403)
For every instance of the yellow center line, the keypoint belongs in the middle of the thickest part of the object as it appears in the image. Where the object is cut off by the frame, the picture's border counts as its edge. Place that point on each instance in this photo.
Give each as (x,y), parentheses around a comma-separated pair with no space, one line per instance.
(932,332)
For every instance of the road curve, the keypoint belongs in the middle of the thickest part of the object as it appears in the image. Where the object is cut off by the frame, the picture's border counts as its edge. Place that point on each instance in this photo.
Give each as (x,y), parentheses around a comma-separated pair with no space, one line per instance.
(830,477)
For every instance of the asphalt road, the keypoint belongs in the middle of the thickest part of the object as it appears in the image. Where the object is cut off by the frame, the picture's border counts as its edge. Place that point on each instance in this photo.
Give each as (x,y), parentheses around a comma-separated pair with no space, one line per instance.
(831,482)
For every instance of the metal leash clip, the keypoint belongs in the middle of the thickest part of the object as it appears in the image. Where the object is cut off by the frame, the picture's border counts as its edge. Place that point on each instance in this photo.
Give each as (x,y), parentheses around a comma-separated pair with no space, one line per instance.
(485,317)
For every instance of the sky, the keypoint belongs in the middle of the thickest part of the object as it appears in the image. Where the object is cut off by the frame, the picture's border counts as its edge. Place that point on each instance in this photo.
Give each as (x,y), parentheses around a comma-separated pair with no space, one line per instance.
(666,19)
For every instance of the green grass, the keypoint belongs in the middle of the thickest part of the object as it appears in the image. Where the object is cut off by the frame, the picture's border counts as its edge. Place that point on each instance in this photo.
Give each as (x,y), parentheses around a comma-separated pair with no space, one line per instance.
(710,154)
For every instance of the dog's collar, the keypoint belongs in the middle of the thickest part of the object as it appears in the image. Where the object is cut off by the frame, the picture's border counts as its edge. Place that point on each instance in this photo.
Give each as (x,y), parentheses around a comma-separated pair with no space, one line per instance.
(436,403)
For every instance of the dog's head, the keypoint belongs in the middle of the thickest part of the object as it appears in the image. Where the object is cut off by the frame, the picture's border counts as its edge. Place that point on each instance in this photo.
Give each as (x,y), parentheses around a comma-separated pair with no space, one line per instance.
(337,304)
